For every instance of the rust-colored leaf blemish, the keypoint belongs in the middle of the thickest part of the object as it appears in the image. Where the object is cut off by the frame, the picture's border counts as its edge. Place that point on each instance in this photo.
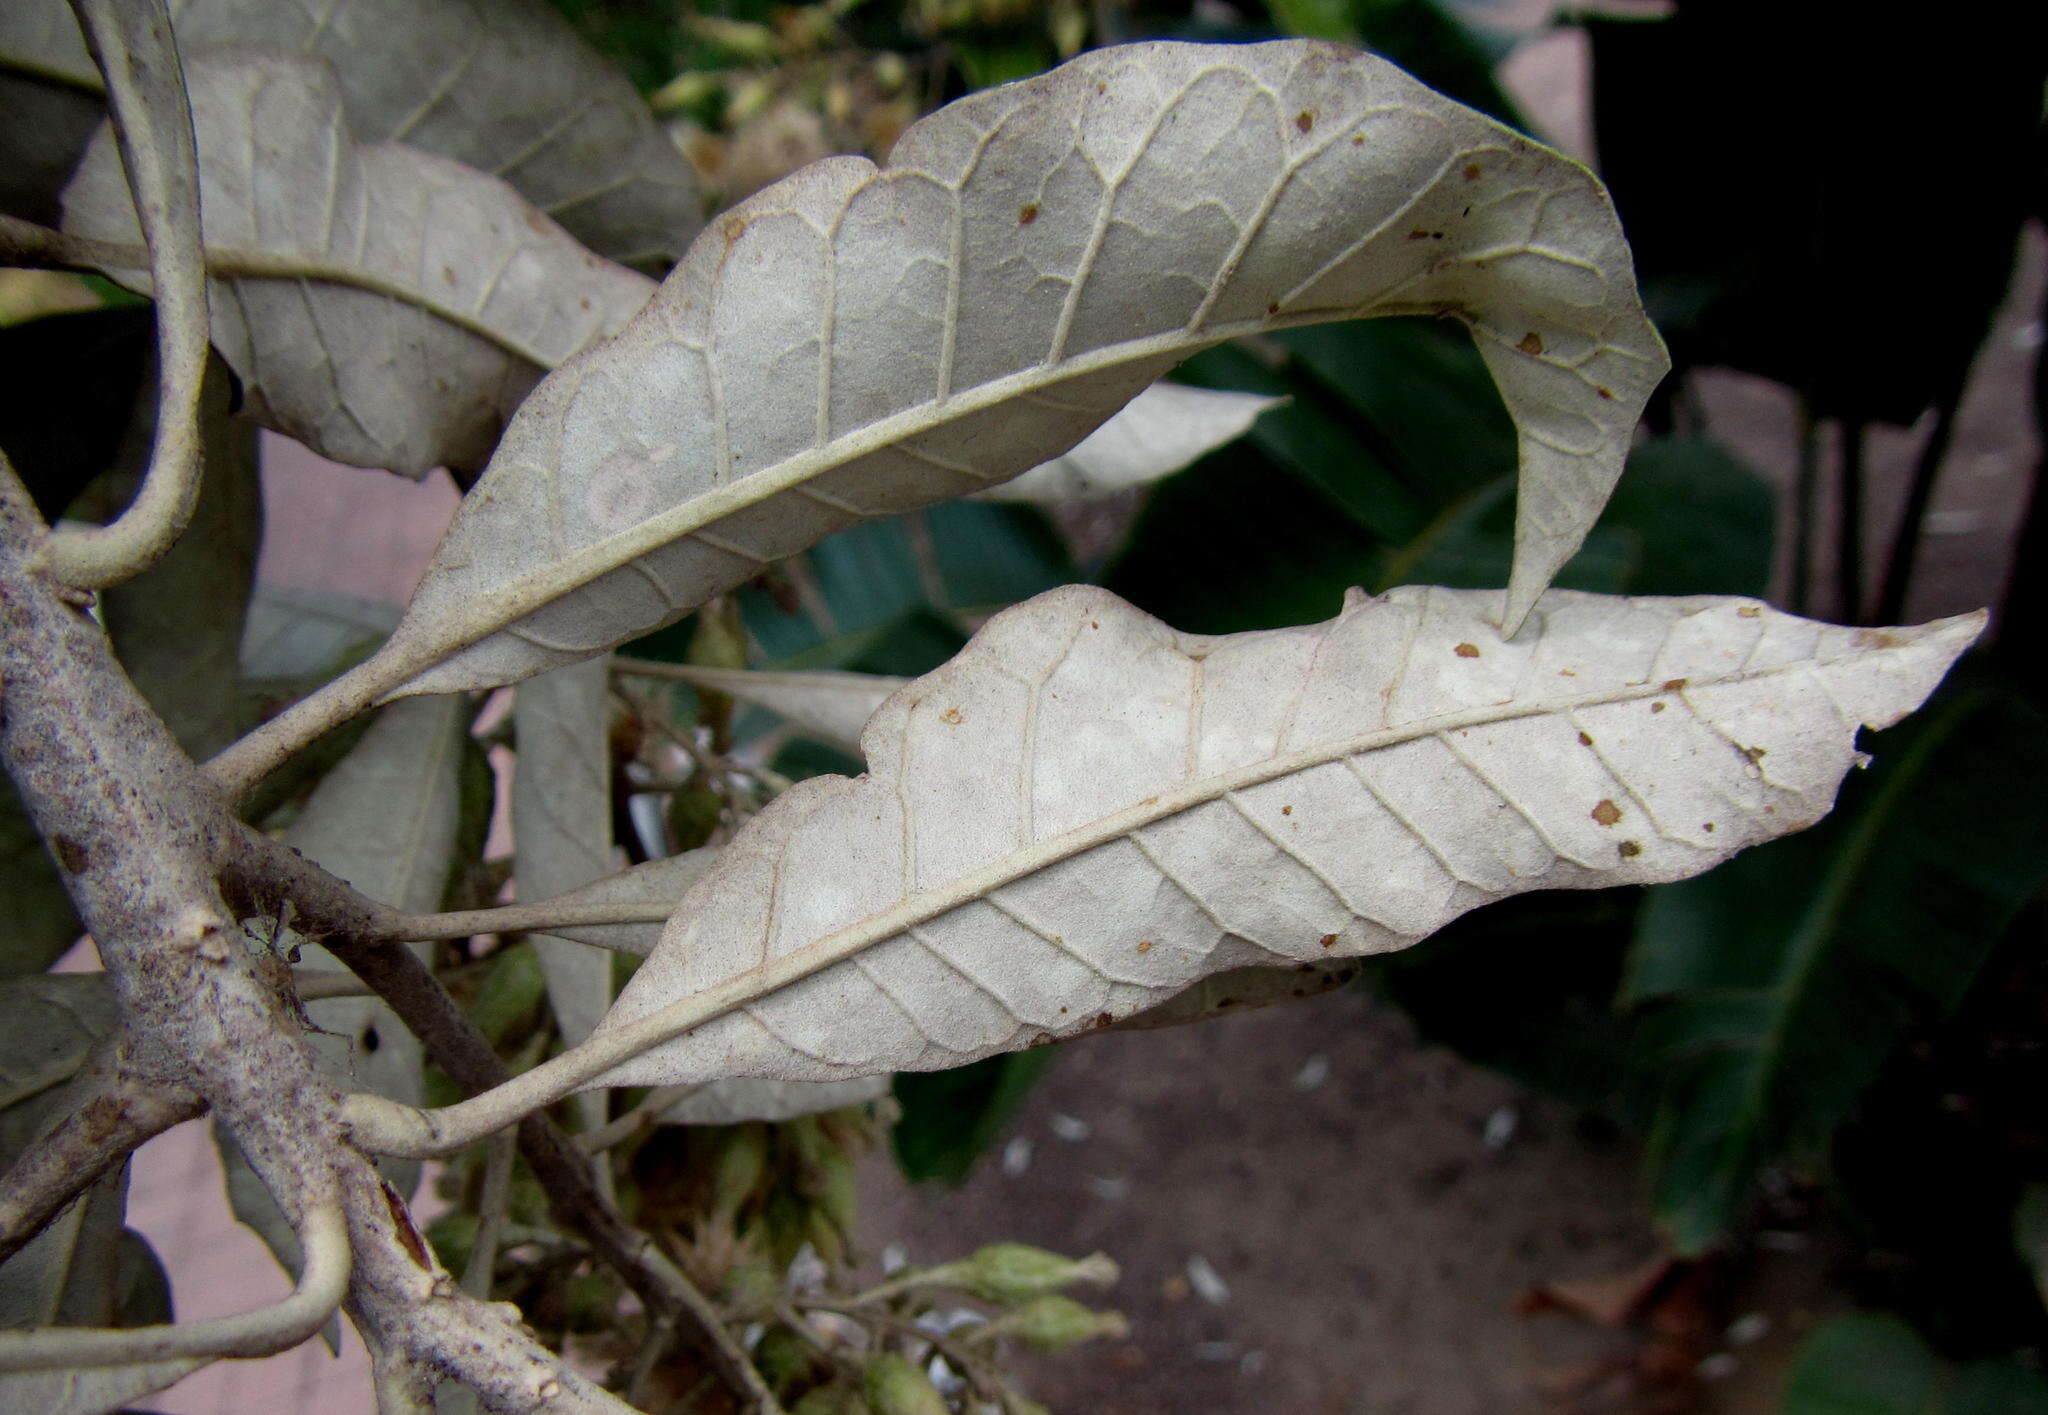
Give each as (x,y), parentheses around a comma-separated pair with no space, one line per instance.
(1145,945)
(1472,171)
(1101,89)
(1585,739)
(1606,394)
(1305,120)
(952,717)
(1675,685)
(1755,754)
(1103,1019)
(1532,344)
(74,857)
(1287,810)
(1875,639)
(1629,849)
(1606,813)
(1657,707)
(1418,235)
(1466,650)
(1095,623)
(1027,213)
(1358,139)
(1708,827)
(408,1232)
(1273,308)
(1748,611)
(733,228)
(1329,940)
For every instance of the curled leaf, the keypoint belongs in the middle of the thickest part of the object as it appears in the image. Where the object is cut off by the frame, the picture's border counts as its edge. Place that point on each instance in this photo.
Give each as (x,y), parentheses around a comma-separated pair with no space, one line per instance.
(854,342)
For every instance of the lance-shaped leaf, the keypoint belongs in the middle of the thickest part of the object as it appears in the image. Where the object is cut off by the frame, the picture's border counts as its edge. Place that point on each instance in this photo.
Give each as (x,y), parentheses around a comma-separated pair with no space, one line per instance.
(393,307)
(562,828)
(1087,812)
(831,706)
(855,341)
(504,86)
(655,888)
(1159,432)
(731,1102)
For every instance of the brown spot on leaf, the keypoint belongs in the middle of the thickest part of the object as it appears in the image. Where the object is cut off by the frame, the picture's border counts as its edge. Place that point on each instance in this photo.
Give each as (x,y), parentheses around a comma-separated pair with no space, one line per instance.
(1748,611)
(1329,940)
(1585,739)
(1273,308)
(1145,945)
(1875,639)
(951,717)
(733,228)
(1418,235)
(1708,827)
(1606,813)
(1103,1019)
(1099,89)
(1305,120)
(1027,213)
(1287,810)
(1629,849)
(1657,707)
(1358,139)
(1755,754)
(1466,650)
(75,858)
(1532,344)
(1472,170)
(1674,685)
(1606,394)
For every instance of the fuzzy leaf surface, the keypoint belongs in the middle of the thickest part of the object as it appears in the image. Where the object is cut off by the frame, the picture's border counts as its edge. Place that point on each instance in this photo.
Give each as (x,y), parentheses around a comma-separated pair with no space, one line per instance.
(1086,812)
(411,303)
(504,86)
(854,342)
(1158,433)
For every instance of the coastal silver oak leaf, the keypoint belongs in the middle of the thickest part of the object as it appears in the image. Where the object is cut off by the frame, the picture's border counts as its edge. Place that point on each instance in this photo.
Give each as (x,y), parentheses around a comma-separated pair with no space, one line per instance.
(856,341)
(1086,812)
(1158,433)
(392,308)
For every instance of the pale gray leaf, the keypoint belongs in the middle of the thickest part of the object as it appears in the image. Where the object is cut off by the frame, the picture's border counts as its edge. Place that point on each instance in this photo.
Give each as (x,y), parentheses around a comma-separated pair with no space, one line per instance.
(253,1205)
(41,922)
(178,626)
(50,92)
(504,86)
(1159,432)
(1086,812)
(401,305)
(828,705)
(294,633)
(657,886)
(562,824)
(1241,990)
(854,342)
(53,1023)
(734,1102)
(93,1391)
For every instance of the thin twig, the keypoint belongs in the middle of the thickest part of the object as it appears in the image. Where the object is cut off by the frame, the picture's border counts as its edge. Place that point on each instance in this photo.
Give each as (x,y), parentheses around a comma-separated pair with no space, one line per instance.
(491,1206)
(1849,558)
(643,1116)
(124,1110)
(1898,574)
(323,1237)
(131,43)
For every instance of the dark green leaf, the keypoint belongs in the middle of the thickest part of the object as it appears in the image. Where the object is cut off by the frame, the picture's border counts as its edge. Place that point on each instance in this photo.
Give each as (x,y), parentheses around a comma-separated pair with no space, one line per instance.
(1775,986)
(950,1117)
(1868,1364)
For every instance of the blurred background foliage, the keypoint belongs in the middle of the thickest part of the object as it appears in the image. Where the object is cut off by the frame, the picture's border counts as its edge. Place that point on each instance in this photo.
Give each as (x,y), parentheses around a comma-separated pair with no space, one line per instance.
(1855,1019)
